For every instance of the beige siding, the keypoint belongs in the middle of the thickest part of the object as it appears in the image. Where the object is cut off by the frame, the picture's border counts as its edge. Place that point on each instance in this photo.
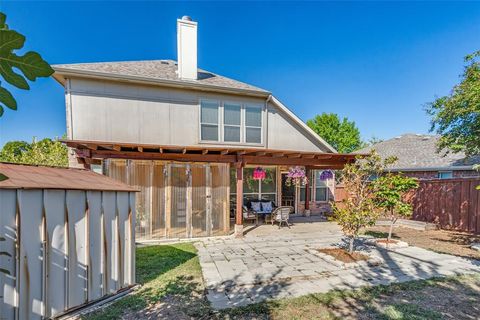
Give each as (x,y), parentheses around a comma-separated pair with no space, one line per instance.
(134,113)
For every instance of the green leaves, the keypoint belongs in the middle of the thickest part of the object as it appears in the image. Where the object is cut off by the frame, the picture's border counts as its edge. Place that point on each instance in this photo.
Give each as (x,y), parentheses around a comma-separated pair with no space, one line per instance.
(456,117)
(44,152)
(30,65)
(341,134)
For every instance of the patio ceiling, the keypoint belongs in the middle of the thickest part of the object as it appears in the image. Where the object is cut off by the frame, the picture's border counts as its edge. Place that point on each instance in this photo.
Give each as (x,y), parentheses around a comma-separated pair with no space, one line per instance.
(91,150)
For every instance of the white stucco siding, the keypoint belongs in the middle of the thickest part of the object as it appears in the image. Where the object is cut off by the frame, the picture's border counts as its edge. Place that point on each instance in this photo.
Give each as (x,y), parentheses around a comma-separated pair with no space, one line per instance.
(286,134)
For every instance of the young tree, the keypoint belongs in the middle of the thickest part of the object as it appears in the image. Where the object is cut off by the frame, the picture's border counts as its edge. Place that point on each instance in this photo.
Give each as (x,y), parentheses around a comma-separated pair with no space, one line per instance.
(390,192)
(456,117)
(342,134)
(358,209)
(44,152)
(30,64)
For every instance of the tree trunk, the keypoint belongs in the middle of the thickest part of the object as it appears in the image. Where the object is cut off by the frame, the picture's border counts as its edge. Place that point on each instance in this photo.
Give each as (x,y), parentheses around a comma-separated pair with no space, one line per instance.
(392,222)
(350,247)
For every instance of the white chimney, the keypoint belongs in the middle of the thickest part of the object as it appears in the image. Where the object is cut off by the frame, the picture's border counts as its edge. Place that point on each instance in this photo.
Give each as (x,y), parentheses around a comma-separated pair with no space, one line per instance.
(187,48)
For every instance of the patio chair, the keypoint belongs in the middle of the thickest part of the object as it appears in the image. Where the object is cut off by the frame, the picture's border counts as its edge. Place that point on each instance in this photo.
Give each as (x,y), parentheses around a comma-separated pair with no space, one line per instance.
(249,215)
(281,215)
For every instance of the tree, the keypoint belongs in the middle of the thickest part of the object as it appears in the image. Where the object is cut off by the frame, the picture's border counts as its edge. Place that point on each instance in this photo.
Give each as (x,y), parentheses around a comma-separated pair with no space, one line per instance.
(30,64)
(358,209)
(44,152)
(456,116)
(342,134)
(390,192)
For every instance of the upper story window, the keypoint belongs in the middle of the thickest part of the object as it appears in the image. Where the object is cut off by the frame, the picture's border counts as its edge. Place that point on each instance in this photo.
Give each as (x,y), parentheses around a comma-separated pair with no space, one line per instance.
(445,174)
(253,124)
(209,120)
(231,122)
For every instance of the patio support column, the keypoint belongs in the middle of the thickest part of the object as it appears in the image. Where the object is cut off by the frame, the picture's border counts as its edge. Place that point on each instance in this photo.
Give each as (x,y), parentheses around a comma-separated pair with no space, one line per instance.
(239,211)
(307,191)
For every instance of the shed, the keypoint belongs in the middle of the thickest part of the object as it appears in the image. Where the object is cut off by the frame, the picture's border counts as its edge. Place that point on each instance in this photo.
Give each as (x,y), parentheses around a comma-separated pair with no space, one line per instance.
(67,238)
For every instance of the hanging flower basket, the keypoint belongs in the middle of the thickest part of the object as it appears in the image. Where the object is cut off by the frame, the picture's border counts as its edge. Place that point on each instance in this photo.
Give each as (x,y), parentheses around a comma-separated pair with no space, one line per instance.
(259,173)
(296,176)
(326,175)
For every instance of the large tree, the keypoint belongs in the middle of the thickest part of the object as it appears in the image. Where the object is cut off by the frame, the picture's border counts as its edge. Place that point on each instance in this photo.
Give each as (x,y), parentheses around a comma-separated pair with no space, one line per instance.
(456,116)
(341,134)
(43,152)
(16,68)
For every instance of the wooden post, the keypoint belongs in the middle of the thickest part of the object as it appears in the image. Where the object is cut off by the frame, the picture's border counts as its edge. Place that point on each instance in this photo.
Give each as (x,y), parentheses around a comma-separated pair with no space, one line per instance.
(239,211)
(307,191)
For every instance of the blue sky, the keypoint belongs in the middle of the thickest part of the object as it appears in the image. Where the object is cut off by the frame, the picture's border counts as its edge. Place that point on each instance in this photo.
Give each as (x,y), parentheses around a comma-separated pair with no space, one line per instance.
(376,63)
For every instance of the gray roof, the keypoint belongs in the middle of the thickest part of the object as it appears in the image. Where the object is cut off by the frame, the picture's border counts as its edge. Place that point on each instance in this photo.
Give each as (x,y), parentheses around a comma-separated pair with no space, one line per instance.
(155,71)
(419,152)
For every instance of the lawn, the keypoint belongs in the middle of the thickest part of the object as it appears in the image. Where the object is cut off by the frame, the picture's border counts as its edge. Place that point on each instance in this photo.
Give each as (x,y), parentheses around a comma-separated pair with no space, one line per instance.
(172,288)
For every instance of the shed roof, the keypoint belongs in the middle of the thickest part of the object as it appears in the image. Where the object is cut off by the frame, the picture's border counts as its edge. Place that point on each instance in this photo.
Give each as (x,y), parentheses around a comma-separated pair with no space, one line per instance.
(22,176)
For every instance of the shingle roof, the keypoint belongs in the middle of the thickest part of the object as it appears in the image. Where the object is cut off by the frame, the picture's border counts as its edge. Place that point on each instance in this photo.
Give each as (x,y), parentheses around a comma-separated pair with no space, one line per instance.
(159,70)
(40,177)
(418,151)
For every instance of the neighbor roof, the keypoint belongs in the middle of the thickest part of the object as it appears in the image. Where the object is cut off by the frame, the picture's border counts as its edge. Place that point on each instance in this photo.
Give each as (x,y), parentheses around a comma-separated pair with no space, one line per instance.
(156,71)
(419,152)
(41,177)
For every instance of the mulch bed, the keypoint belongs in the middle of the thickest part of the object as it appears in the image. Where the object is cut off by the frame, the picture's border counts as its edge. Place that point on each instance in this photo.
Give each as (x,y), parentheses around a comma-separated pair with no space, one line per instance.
(344,256)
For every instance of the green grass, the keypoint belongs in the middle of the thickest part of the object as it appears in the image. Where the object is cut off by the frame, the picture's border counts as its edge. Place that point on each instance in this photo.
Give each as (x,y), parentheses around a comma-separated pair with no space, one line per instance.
(167,270)
(172,288)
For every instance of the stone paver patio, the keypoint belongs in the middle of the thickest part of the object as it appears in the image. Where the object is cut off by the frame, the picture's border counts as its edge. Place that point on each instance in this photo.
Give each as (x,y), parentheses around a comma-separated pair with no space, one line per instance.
(272,263)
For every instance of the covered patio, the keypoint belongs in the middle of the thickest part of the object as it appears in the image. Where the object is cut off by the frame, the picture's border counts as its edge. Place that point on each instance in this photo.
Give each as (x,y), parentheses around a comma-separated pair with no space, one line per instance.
(195,191)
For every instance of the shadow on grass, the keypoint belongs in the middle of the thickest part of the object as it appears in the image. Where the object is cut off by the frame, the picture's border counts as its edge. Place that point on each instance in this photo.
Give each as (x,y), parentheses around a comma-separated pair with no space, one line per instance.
(379,234)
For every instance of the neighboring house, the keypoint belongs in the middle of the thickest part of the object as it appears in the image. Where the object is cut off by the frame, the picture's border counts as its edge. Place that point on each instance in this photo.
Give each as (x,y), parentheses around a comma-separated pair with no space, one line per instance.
(190,140)
(418,157)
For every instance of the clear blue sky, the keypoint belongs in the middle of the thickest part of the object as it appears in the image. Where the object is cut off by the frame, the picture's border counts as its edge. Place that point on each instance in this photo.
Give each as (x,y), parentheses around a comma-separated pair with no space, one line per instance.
(376,63)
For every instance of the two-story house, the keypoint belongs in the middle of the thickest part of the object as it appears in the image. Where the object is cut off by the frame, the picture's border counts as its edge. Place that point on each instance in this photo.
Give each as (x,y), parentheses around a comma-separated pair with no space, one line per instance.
(190,140)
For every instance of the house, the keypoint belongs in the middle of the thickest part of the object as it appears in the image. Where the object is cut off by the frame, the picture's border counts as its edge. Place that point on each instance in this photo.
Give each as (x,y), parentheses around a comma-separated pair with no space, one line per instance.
(190,139)
(418,157)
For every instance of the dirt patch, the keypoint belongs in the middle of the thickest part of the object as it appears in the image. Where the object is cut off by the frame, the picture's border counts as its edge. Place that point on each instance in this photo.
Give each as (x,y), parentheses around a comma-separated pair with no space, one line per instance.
(344,256)
(443,241)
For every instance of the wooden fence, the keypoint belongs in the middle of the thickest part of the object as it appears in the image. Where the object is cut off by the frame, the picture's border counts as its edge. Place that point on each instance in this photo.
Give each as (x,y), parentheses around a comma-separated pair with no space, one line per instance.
(450,203)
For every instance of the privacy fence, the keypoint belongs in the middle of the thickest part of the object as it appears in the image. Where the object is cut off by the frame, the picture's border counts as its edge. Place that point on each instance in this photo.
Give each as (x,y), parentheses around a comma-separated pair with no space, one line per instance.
(450,203)
(60,249)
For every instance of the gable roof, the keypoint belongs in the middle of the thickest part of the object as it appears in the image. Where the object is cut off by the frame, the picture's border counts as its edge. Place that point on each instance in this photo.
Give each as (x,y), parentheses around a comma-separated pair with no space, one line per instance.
(155,71)
(419,152)
(22,176)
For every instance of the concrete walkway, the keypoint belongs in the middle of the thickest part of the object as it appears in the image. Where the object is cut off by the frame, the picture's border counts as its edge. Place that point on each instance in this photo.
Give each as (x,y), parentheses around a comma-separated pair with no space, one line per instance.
(272,263)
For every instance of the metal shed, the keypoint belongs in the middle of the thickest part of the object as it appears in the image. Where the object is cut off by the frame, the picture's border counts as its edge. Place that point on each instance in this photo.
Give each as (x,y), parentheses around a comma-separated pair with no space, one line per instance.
(67,238)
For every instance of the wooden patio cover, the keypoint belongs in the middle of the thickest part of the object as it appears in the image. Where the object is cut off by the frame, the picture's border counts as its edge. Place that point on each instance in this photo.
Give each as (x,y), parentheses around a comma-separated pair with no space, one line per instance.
(89,151)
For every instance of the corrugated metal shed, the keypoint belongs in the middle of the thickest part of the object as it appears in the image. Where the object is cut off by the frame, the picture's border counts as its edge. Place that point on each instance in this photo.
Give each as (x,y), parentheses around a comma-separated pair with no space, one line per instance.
(40,177)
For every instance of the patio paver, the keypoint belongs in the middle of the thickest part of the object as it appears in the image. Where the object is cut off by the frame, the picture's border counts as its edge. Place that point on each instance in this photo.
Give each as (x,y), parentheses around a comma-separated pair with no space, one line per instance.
(269,263)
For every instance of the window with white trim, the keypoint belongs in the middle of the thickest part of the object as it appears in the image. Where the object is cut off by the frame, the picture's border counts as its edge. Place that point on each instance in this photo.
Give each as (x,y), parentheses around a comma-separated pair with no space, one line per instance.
(209,124)
(445,174)
(321,188)
(231,122)
(253,124)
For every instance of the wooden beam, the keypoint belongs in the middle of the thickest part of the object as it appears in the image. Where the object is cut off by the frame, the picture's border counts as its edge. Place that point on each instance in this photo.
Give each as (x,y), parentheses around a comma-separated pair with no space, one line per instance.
(241,152)
(205,151)
(184,150)
(324,156)
(307,189)
(261,153)
(294,155)
(308,156)
(104,154)
(278,155)
(239,207)
(160,150)
(224,152)
(140,149)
